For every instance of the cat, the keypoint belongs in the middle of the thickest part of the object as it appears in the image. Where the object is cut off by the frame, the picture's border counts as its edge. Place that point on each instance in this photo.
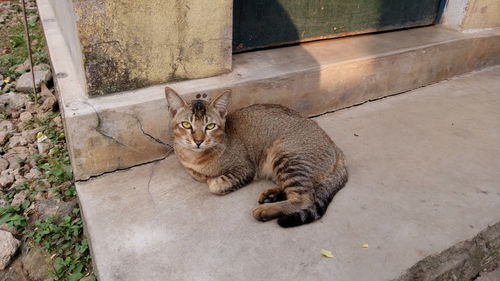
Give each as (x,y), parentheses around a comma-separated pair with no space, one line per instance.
(229,150)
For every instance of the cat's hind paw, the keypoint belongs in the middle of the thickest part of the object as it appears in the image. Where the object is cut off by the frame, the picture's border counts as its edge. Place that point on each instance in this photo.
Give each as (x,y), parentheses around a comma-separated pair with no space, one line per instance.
(272,195)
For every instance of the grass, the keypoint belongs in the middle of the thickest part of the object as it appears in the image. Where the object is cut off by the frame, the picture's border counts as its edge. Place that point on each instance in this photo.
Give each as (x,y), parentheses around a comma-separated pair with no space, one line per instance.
(17,51)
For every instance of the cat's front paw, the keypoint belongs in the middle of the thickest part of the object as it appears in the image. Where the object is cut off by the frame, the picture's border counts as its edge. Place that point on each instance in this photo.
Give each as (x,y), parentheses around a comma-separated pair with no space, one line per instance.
(219,185)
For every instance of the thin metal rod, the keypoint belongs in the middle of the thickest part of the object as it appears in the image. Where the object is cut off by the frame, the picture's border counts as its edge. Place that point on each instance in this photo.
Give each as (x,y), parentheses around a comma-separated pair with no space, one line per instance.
(28,39)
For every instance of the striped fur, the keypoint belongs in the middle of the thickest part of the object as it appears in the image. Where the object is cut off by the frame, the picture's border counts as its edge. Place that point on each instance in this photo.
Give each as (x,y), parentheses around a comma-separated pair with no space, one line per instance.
(259,141)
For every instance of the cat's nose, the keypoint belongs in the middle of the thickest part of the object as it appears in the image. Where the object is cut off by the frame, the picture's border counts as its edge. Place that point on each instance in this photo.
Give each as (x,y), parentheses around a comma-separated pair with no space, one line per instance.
(198,141)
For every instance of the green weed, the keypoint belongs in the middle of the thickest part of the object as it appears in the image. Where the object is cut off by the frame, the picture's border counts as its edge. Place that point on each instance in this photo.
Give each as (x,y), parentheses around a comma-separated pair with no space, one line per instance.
(65,240)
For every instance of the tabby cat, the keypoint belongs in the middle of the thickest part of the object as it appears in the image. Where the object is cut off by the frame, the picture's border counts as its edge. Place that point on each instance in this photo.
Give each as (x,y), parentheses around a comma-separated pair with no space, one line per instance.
(228,151)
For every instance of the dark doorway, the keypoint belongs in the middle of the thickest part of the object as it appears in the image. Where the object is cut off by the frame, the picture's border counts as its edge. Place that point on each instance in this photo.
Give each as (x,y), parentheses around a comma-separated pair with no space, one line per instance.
(265,23)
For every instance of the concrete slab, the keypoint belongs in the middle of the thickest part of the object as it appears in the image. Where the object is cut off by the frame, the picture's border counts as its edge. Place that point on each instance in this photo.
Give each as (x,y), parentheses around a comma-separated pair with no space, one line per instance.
(424,175)
(312,78)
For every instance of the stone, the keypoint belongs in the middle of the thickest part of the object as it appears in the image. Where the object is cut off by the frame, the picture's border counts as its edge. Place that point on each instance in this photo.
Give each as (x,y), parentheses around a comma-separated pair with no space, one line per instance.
(30,135)
(8,247)
(6,126)
(33,174)
(41,67)
(20,152)
(58,121)
(4,164)
(11,229)
(4,137)
(14,101)
(25,66)
(66,207)
(48,104)
(6,180)
(51,207)
(3,203)
(15,114)
(25,84)
(36,264)
(25,116)
(43,148)
(20,197)
(17,141)
(13,161)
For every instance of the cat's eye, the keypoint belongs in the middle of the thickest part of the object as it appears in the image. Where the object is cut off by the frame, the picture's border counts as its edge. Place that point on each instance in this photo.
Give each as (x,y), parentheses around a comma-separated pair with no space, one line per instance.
(210,126)
(186,125)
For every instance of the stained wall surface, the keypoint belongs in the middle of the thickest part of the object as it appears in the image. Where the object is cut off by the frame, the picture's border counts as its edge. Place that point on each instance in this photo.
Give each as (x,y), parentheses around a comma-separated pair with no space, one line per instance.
(128,44)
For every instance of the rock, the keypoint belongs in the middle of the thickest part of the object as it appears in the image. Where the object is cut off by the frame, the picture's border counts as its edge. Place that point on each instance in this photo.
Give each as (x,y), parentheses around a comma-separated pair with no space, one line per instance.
(17,141)
(33,174)
(4,164)
(58,121)
(13,100)
(4,136)
(65,208)
(6,126)
(8,247)
(3,203)
(25,116)
(36,264)
(43,148)
(25,84)
(13,163)
(48,104)
(7,228)
(15,114)
(20,152)
(6,180)
(30,135)
(41,67)
(46,208)
(20,197)
(25,66)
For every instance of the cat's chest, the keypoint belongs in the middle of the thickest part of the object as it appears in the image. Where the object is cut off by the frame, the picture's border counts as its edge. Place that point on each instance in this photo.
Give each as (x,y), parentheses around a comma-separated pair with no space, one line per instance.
(199,163)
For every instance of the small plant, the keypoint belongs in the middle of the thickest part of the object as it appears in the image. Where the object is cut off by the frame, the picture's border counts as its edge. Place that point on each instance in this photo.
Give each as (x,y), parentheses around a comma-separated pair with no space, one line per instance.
(13,216)
(64,238)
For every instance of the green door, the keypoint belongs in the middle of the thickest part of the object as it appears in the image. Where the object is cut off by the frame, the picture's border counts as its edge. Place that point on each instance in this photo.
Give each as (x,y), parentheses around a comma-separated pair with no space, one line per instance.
(266,23)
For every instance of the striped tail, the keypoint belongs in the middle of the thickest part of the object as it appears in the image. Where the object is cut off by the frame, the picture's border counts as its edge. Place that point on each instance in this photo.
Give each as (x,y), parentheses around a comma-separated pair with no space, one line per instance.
(323,195)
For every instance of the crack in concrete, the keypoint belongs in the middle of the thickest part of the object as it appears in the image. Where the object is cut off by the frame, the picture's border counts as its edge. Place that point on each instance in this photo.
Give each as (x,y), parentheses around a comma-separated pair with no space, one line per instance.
(126,168)
(147,134)
(98,127)
(148,190)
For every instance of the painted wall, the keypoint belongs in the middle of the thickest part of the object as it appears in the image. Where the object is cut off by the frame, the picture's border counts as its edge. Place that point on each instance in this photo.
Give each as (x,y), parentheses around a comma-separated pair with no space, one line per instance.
(472,15)
(482,14)
(128,44)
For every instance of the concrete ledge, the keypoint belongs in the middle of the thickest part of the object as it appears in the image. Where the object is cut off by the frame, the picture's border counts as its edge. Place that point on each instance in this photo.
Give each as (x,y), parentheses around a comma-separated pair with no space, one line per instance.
(129,128)
(461,262)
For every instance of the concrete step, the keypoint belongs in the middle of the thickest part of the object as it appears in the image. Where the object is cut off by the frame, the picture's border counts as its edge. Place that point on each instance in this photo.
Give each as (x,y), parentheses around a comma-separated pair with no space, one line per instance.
(424,175)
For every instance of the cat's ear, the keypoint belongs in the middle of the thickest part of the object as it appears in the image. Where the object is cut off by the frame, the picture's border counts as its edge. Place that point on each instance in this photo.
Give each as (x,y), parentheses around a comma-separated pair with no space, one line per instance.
(174,101)
(221,103)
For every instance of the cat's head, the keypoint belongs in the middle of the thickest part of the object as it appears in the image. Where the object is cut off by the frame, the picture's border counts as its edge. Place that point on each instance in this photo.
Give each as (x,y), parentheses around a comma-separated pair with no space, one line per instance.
(198,124)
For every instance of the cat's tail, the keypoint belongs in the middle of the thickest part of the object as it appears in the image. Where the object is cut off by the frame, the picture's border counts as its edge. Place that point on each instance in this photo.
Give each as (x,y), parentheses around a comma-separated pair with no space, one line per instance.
(323,195)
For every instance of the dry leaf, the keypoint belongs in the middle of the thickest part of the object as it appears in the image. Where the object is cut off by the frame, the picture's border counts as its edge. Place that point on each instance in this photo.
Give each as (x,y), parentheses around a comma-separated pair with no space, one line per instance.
(326,253)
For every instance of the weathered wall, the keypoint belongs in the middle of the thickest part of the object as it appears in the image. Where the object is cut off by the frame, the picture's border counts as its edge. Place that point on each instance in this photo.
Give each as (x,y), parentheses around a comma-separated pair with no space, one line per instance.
(482,14)
(466,15)
(128,44)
